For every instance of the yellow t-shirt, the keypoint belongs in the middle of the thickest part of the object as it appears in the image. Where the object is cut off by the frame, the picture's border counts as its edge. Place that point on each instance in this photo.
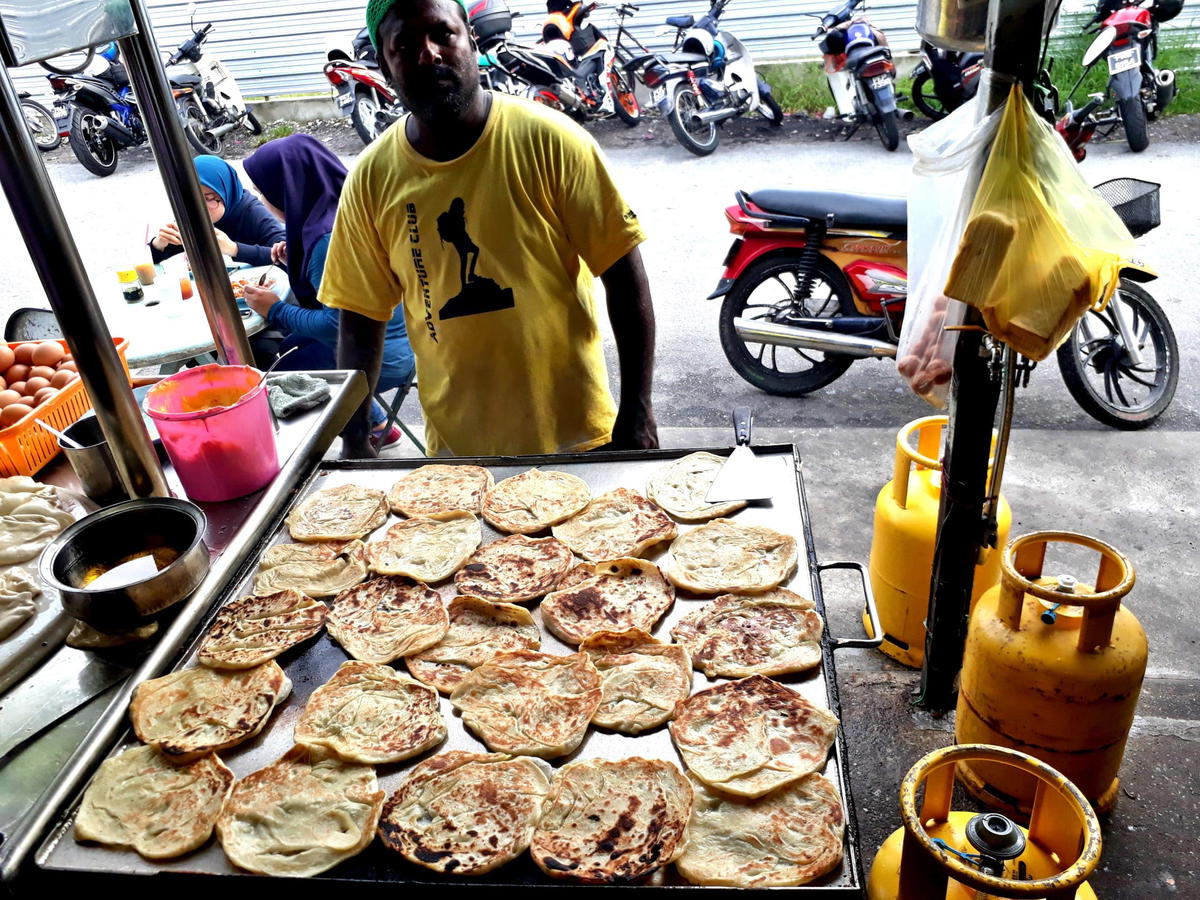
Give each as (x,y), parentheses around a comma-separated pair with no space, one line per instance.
(492,255)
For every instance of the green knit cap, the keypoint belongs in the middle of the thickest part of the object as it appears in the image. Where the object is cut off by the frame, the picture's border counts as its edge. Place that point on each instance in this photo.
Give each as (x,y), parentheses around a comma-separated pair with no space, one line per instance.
(377,9)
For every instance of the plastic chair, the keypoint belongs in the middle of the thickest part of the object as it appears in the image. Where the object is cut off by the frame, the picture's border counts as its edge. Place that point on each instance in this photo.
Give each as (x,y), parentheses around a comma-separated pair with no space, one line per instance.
(30,324)
(393,411)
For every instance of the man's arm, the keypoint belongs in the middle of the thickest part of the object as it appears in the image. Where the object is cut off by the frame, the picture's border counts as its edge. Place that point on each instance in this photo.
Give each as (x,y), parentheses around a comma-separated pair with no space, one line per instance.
(632,314)
(360,346)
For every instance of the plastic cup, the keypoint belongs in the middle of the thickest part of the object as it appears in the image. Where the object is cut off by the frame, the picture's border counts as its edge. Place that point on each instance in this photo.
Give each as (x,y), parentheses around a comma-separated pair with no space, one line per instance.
(216,427)
(145,272)
(185,288)
(127,276)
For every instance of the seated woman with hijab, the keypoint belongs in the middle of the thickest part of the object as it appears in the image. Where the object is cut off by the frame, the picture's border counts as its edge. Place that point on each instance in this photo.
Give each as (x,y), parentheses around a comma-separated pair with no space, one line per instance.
(247,230)
(300,181)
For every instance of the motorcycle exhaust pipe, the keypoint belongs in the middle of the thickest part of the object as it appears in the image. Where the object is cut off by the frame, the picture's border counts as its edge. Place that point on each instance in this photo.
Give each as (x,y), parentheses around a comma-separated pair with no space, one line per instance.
(810,339)
(706,116)
(219,130)
(1165,88)
(121,136)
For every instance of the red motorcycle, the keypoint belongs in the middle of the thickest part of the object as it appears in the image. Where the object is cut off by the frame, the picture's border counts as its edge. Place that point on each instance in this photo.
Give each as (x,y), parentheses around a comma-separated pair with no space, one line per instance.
(359,89)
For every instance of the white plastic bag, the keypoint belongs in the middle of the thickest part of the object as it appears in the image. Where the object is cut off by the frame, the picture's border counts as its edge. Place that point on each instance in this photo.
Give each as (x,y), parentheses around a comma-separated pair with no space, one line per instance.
(948,158)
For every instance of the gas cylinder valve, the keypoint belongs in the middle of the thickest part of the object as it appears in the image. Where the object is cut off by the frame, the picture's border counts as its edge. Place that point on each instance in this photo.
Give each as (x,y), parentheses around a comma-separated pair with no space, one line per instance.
(1066,585)
(997,839)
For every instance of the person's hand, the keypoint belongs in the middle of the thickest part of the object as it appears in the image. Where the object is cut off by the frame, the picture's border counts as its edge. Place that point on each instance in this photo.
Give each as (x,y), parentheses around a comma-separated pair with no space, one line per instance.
(228,247)
(279,252)
(168,234)
(260,299)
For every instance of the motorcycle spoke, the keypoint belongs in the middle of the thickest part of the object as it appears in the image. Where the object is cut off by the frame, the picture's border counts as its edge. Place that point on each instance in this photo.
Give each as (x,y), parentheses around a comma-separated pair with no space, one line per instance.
(1150,384)
(762,349)
(1116,384)
(806,357)
(1091,355)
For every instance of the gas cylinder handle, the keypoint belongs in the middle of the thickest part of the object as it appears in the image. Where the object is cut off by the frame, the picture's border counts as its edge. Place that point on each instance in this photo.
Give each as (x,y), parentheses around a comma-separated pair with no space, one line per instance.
(925,456)
(872,612)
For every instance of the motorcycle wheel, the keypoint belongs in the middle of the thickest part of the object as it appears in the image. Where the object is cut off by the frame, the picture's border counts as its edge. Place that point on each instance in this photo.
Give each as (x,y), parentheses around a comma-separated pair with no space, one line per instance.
(625,102)
(888,130)
(195,128)
(1133,117)
(767,291)
(94,149)
(698,139)
(41,125)
(69,63)
(925,99)
(251,123)
(1098,372)
(771,110)
(365,116)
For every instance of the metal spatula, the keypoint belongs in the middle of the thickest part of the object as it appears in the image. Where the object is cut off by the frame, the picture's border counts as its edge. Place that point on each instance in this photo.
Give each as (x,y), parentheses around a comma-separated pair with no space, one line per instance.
(743,476)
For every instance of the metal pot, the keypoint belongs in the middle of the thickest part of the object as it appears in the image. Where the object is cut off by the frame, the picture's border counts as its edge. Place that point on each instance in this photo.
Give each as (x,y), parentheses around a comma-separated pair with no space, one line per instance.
(112,534)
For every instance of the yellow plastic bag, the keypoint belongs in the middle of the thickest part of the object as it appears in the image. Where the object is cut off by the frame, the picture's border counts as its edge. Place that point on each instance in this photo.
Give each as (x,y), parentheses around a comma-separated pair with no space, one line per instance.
(1040,246)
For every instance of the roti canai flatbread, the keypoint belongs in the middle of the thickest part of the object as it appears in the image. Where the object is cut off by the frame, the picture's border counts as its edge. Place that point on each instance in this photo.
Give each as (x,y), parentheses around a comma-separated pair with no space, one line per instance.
(623,594)
(140,800)
(343,513)
(530,703)
(723,556)
(534,500)
(642,682)
(788,837)
(428,550)
(577,574)
(31,515)
(752,736)
(300,815)
(612,822)
(479,629)
(387,617)
(753,634)
(681,485)
(466,813)
(319,569)
(617,524)
(18,603)
(514,569)
(249,631)
(371,714)
(192,712)
(435,490)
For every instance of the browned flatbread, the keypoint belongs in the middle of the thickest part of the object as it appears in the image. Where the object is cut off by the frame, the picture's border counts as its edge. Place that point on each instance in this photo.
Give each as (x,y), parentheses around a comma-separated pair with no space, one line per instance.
(642,682)
(343,513)
(723,555)
(752,736)
(426,549)
(479,629)
(623,594)
(249,631)
(319,569)
(534,500)
(371,714)
(577,574)
(514,569)
(681,485)
(530,703)
(617,524)
(386,618)
(435,490)
(754,634)
(193,712)
(612,822)
(787,837)
(466,813)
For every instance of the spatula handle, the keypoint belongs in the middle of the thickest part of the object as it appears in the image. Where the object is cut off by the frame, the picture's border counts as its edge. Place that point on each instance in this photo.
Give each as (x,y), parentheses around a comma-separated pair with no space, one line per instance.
(742,421)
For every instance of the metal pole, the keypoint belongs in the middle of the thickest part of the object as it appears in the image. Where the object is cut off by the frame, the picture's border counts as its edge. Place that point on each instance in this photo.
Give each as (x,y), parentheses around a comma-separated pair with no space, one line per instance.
(56,258)
(171,149)
(1014,43)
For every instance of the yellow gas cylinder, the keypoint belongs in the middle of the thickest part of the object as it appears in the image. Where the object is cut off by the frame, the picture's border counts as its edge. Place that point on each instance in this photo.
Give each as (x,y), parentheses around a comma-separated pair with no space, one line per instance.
(906,518)
(940,854)
(1053,668)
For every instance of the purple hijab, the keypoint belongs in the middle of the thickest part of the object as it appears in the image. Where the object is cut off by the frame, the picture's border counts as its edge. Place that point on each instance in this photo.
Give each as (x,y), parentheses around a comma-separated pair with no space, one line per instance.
(301,177)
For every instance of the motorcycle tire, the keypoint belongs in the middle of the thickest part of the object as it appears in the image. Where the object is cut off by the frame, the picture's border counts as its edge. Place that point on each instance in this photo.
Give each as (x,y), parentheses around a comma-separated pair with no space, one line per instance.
(771,110)
(195,129)
(1101,379)
(251,123)
(365,116)
(69,68)
(888,129)
(1133,117)
(625,101)
(925,99)
(700,140)
(95,151)
(762,368)
(41,125)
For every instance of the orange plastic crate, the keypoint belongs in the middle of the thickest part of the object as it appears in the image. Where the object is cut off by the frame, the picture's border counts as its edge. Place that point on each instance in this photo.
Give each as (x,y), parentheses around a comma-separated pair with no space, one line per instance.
(26,446)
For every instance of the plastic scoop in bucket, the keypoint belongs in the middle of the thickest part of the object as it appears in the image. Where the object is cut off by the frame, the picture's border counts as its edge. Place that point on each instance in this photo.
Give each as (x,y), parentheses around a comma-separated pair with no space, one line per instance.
(216,427)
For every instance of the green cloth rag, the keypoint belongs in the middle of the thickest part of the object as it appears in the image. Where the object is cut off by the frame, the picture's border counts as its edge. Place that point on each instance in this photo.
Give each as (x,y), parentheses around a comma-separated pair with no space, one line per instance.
(295,392)
(377,9)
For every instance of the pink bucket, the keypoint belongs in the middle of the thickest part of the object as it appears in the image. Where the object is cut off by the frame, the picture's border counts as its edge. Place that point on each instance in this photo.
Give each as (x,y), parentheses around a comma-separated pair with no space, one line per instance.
(216,427)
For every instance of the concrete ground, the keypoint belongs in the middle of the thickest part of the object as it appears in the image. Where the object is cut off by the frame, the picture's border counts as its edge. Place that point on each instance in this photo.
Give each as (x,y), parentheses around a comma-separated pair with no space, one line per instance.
(1065,471)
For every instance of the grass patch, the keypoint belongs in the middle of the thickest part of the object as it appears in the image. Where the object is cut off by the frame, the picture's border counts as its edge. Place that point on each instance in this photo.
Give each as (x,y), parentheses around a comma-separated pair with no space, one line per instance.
(803,87)
(274,131)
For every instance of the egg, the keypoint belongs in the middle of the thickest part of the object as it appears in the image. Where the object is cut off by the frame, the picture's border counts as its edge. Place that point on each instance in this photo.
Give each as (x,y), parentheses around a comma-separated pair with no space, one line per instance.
(45,394)
(29,401)
(46,372)
(18,386)
(18,372)
(3,383)
(35,384)
(8,396)
(62,378)
(14,413)
(48,353)
(68,365)
(24,353)
(7,357)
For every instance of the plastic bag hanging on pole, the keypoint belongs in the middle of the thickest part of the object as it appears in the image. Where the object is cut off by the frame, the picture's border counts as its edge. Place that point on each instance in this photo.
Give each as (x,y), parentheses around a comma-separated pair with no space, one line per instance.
(1040,247)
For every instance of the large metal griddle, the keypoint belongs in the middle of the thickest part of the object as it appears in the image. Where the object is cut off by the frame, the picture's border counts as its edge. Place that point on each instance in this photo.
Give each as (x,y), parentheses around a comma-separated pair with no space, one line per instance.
(61,860)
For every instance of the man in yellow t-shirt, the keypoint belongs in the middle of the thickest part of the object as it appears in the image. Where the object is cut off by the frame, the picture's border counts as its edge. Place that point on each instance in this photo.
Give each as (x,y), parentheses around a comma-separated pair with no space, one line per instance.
(489,217)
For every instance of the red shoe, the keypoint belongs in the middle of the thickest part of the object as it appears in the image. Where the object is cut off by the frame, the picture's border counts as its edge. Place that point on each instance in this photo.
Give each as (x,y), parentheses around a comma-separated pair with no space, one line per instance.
(382,440)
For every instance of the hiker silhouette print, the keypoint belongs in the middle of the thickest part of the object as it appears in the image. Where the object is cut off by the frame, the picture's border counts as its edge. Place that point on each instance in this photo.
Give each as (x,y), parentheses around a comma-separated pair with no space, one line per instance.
(478,295)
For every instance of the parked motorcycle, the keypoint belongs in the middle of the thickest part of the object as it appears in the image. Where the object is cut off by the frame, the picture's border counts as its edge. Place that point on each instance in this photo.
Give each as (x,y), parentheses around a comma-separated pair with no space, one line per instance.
(815,280)
(708,79)
(41,123)
(1128,42)
(860,71)
(944,80)
(359,89)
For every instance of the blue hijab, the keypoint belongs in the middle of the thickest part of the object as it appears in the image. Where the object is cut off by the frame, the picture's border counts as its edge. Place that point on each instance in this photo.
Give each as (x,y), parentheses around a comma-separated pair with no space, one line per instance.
(220,178)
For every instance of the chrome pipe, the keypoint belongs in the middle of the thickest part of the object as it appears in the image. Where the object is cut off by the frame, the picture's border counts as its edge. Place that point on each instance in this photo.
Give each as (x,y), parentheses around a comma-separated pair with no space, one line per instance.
(157,106)
(811,339)
(706,116)
(52,248)
(223,129)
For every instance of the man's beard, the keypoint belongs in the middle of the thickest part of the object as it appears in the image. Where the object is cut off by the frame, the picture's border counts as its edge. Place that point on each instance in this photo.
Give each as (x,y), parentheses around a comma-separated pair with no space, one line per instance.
(432,99)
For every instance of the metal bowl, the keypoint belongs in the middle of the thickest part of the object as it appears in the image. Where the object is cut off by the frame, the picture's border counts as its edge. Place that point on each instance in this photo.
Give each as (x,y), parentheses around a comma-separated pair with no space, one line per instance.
(107,536)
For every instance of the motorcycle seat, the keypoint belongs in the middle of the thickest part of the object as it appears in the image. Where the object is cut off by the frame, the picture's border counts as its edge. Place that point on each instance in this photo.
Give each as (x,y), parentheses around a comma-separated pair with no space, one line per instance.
(185,80)
(860,56)
(681,21)
(685,58)
(848,210)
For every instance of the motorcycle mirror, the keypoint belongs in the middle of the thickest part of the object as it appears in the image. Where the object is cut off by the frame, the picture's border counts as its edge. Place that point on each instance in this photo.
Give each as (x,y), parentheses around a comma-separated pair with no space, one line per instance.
(1099,45)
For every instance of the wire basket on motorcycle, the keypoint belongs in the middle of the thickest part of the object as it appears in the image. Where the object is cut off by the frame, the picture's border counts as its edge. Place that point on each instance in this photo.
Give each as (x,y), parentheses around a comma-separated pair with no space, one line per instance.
(1135,202)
